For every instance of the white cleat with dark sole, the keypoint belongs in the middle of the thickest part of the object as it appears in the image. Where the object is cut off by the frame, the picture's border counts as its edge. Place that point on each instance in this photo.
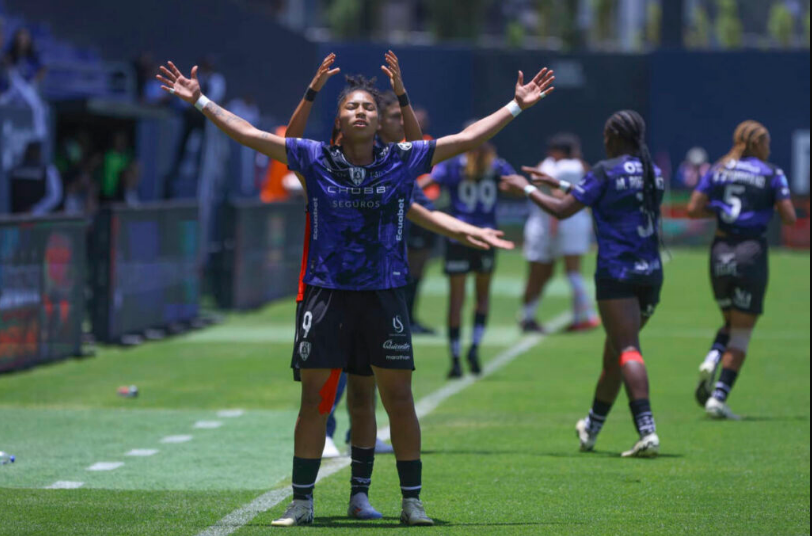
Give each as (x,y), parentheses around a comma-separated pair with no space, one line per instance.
(716,409)
(382,447)
(647,447)
(298,513)
(330,449)
(414,515)
(361,509)
(587,439)
(704,389)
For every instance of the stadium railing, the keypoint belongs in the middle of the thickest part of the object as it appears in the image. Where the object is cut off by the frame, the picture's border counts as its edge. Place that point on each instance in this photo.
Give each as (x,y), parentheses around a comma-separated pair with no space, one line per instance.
(43,272)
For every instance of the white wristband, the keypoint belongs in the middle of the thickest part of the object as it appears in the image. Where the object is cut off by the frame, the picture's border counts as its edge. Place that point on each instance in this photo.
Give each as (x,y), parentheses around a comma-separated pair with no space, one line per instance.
(565,186)
(202,102)
(514,108)
(529,189)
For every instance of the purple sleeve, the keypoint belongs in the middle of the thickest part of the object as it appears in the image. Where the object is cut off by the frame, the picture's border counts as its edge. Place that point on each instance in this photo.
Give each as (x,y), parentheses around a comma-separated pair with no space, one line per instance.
(301,153)
(781,187)
(706,183)
(589,191)
(440,173)
(417,156)
(505,168)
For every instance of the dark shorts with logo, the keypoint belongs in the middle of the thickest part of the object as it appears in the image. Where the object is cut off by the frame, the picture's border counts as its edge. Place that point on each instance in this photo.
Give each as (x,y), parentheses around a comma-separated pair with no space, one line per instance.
(353,331)
(460,260)
(740,273)
(648,295)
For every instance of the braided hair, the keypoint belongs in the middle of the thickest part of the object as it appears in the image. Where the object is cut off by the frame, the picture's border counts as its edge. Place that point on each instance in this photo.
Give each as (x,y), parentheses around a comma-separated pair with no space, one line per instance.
(629,127)
(356,83)
(746,139)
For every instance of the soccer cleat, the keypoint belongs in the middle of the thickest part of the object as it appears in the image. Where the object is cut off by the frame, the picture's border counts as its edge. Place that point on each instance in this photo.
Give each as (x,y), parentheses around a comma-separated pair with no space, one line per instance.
(587,438)
(704,389)
(647,447)
(330,449)
(716,409)
(298,513)
(473,361)
(414,515)
(456,371)
(382,447)
(582,327)
(531,326)
(361,509)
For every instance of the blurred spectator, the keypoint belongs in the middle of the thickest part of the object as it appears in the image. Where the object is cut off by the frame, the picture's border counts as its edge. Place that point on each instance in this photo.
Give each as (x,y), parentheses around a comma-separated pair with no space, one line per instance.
(36,188)
(128,185)
(116,160)
(5,86)
(78,161)
(273,188)
(23,58)
(149,89)
(695,166)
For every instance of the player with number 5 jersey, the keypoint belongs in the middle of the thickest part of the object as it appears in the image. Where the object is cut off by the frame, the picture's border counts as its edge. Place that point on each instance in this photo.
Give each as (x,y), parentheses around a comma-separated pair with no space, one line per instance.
(472,181)
(742,192)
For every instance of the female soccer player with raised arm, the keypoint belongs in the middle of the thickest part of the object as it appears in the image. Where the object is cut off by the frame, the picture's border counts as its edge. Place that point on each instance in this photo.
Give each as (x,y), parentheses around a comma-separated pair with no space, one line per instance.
(358,196)
(742,191)
(472,181)
(625,193)
(399,124)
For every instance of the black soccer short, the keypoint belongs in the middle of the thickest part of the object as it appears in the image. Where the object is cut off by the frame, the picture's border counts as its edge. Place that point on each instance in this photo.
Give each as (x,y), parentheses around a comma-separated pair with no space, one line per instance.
(421,239)
(740,273)
(353,331)
(460,260)
(648,295)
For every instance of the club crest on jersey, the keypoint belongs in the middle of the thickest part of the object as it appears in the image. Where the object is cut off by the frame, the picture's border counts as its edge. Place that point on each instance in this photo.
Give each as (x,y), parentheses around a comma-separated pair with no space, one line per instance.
(304,350)
(406,146)
(358,175)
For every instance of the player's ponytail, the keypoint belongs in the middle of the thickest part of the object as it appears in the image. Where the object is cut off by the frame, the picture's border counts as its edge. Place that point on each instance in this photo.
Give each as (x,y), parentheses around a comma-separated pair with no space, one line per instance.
(745,140)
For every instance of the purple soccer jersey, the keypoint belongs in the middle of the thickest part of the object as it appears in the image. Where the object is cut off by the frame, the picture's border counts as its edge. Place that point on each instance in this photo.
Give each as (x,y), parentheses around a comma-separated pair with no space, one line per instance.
(472,201)
(628,243)
(358,213)
(743,194)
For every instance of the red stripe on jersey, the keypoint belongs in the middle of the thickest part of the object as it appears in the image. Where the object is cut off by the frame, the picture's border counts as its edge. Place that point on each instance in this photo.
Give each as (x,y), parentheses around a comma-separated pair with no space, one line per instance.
(302,287)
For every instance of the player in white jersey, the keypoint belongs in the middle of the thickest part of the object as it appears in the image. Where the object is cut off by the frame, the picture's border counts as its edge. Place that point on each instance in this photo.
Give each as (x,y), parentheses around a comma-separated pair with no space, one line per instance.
(547,240)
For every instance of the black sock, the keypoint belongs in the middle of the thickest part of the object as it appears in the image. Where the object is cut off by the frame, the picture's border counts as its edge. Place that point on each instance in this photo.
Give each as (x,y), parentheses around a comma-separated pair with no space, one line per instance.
(725,384)
(411,478)
(363,461)
(721,342)
(411,297)
(597,416)
(305,473)
(480,322)
(454,340)
(643,417)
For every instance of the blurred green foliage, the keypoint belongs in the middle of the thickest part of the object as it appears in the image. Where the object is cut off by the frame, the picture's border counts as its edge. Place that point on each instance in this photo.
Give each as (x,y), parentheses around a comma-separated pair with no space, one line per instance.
(781,25)
(729,27)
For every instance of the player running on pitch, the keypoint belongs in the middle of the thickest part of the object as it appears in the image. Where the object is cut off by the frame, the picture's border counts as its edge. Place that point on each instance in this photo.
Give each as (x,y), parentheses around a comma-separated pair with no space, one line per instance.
(742,192)
(625,193)
(358,196)
(547,240)
(472,181)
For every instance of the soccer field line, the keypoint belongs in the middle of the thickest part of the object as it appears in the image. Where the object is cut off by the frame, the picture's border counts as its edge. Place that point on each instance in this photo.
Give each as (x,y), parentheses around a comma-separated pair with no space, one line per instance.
(240,517)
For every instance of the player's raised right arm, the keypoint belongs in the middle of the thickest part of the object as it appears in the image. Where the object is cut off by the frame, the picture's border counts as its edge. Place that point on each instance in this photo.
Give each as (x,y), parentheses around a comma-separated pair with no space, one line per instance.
(238,129)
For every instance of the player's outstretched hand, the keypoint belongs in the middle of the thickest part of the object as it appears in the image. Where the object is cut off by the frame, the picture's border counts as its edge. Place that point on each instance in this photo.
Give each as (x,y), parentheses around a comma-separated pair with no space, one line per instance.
(174,83)
(514,184)
(541,179)
(528,95)
(484,239)
(392,70)
(325,73)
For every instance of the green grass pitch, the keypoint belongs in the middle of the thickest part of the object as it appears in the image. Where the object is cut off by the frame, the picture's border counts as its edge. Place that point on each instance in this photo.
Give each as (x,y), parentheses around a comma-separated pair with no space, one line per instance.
(500,457)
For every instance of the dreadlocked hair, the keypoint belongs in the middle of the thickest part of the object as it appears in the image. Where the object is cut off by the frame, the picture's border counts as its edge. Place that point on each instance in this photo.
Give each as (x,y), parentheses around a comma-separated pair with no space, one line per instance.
(630,127)
(745,140)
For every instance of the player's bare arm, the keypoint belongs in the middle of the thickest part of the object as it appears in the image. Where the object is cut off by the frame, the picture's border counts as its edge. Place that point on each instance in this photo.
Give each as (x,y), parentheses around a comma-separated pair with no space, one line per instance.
(411,126)
(298,122)
(450,227)
(238,129)
(698,207)
(786,209)
(526,96)
(561,209)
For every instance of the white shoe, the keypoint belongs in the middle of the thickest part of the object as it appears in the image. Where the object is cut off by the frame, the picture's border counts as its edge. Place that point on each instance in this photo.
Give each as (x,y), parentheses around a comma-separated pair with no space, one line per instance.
(361,509)
(330,449)
(414,515)
(717,409)
(381,447)
(704,389)
(647,447)
(298,513)
(587,439)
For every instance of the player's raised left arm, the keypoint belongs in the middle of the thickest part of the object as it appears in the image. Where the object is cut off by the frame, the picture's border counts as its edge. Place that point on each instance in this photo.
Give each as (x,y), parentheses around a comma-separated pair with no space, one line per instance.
(238,129)
(526,96)
(449,226)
